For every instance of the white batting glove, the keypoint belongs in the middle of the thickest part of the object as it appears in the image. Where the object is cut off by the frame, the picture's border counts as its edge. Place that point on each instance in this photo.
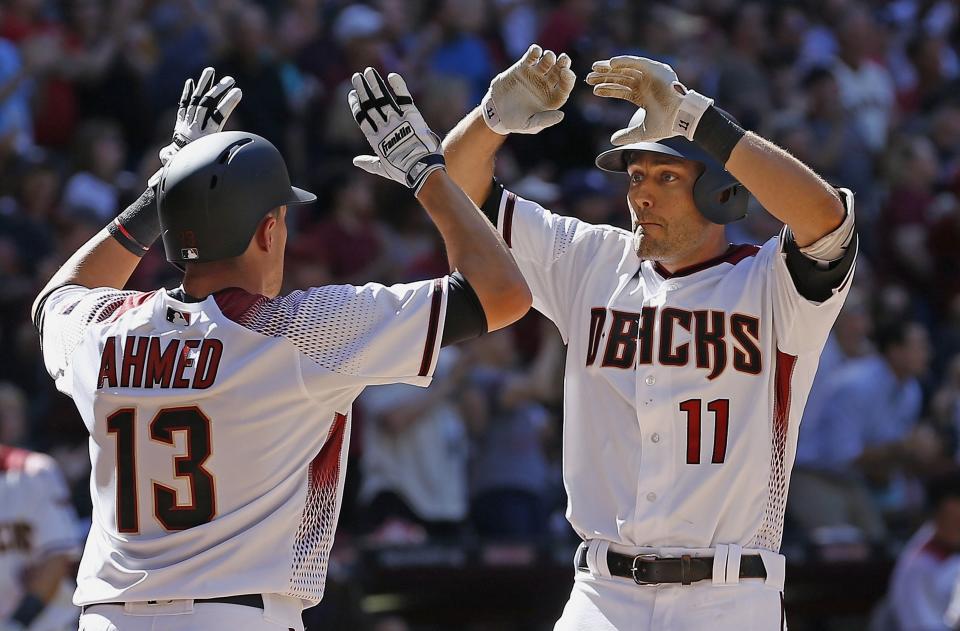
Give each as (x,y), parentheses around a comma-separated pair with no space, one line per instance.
(407,150)
(526,97)
(669,108)
(204,110)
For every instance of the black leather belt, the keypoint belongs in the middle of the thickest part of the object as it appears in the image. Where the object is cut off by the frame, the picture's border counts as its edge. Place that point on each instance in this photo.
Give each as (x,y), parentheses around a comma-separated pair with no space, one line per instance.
(649,569)
(247,600)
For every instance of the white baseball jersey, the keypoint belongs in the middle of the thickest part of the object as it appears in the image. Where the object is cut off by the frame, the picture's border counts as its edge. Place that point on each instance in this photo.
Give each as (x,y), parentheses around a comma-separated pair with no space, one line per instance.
(219,429)
(36,522)
(683,392)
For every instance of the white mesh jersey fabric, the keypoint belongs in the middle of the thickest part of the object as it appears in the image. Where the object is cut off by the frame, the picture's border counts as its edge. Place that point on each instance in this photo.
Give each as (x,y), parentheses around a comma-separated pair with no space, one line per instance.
(314,538)
(268,428)
(770,534)
(326,324)
(67,315)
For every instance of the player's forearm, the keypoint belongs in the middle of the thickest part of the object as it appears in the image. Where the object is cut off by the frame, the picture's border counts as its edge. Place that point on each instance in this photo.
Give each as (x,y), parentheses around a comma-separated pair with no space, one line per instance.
(469,150)
(110,256)
(787,188)
(100,262)
(476,249)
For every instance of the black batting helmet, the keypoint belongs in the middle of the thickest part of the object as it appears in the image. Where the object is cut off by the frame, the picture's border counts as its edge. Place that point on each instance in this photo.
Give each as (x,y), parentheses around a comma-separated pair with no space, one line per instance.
(216,190)
(717,194)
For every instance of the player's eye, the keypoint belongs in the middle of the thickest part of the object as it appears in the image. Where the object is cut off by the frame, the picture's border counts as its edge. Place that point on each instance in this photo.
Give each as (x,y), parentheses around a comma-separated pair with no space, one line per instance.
(636,178)
(669,176)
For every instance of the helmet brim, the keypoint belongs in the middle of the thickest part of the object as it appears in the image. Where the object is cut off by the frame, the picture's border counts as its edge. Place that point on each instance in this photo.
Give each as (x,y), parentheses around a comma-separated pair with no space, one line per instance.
(300,196)
(615,160)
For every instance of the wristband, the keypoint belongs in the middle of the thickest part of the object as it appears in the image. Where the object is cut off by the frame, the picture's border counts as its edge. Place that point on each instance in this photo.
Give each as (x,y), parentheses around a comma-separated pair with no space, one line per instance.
(717,135)
(137,227)
(29,608)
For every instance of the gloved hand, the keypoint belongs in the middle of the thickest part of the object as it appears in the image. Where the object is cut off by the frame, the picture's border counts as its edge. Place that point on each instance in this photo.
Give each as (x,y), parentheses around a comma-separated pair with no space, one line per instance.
(204,110)
(526,97)
(669,108)
(407,151)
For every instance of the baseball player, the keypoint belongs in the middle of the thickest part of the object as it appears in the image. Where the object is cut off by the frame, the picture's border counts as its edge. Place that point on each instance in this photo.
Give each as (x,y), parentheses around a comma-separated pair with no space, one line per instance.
(688,358)
(219,412)
(38,543)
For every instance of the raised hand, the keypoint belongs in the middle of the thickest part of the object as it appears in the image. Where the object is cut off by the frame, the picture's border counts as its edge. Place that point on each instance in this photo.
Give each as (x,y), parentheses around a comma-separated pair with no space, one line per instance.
(204,110)
(668,107)
(527,97)
(406,149)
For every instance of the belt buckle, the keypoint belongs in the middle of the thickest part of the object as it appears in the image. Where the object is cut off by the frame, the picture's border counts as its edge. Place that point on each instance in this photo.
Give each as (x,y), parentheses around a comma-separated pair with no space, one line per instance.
(634,568)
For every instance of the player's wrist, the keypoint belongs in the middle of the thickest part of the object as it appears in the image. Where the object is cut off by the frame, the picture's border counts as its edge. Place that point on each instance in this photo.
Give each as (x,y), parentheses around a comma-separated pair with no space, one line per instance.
(430,181)
(137,227)
(491,115)
(717,135)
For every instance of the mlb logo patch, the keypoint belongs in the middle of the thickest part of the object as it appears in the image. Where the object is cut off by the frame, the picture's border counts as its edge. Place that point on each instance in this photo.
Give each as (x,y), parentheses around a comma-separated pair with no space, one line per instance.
(181,318)
(189,253)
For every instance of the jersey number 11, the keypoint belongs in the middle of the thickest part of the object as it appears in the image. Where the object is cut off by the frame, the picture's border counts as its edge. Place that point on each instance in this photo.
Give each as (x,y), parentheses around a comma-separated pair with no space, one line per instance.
(721,415)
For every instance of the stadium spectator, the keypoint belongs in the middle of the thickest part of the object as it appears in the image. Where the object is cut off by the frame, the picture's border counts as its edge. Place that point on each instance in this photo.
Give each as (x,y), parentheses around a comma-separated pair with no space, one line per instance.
(509,472)
(928,568)
(859,451)
(414,462)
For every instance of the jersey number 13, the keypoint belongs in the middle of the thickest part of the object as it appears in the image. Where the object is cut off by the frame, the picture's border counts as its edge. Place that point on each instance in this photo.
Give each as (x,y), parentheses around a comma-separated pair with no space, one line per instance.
(171,514)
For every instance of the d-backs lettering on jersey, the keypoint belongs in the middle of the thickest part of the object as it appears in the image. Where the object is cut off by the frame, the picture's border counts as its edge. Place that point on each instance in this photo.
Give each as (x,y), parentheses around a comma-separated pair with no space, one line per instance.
(630,339)
(219,429)
(683,391)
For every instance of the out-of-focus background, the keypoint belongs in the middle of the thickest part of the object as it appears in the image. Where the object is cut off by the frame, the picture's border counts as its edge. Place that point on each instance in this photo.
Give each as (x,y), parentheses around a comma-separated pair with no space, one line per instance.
(453,513)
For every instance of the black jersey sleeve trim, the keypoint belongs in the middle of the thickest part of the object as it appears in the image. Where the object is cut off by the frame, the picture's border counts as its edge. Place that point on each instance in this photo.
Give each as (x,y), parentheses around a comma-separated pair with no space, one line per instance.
(41,303)
(813,280)
(465,318)
(491,206)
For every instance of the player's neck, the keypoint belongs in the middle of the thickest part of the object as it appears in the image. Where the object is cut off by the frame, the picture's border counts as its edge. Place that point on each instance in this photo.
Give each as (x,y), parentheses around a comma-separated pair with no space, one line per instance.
(200,281)
(711,249)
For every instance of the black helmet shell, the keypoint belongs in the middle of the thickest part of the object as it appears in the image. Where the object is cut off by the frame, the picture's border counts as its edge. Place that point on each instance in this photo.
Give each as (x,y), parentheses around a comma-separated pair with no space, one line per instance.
(216,190)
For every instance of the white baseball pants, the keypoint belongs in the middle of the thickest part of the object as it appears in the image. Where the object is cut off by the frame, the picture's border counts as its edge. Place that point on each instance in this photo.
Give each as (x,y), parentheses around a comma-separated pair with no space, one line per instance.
(601,602)
(279,614)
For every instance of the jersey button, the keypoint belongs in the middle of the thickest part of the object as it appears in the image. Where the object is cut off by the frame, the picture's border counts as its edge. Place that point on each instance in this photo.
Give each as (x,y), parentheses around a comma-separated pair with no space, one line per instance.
(650,380)
(651,496)
(655,438)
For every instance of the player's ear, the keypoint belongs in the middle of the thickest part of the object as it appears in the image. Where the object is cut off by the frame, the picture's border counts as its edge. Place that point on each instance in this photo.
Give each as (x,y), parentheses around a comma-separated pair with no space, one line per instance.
(267,236)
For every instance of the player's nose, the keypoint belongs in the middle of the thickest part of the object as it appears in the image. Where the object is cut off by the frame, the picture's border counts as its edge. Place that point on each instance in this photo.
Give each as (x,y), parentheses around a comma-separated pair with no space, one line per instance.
(641,199)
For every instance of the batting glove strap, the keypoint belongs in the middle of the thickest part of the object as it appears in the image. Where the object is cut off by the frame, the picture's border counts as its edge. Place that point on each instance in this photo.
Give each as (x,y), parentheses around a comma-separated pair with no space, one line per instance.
(690,111)
(424,167)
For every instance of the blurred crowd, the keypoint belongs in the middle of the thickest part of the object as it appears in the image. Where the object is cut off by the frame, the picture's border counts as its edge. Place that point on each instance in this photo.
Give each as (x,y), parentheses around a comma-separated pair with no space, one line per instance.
(865,92)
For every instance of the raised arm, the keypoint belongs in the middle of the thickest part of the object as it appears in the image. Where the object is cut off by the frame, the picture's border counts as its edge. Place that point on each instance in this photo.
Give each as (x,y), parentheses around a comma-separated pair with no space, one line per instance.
(786,187)
(408,152)
(110,256)
(523,99)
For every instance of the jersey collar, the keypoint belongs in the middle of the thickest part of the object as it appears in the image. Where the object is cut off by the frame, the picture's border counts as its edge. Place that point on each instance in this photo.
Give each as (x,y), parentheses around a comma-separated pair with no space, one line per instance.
(733,255)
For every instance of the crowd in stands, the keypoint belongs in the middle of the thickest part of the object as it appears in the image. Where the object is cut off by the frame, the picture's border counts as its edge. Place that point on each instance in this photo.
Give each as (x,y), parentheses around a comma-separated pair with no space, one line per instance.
(865,92)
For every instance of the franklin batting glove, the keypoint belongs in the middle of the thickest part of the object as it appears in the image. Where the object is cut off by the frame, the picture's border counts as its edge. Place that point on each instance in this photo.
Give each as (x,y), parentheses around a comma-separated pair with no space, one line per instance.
(407,151)
(526,97)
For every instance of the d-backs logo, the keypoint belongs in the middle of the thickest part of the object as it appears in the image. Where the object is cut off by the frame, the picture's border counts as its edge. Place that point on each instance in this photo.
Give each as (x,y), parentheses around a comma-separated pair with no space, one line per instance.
(401,134)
